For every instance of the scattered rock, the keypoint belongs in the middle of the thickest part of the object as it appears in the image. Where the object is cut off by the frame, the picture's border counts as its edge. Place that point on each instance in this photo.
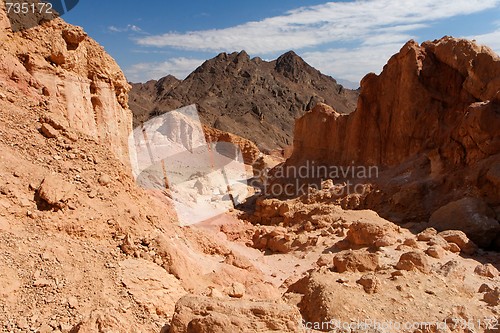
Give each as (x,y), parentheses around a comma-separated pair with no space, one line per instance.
(472,216)
(486,270)
(411,242)
(439,241)
(459,238)
(324,260)
(413,261)
(427,234)
(237,290)
(128,247)
(72,302)
(48,131)
(396,274)
(370,283)
(355,261)
(435,251)
(104,179)
(484,288)
(54,193)
(43,283)
(492,297)
(372,233)
(216,293)
(453,270)
(204,315)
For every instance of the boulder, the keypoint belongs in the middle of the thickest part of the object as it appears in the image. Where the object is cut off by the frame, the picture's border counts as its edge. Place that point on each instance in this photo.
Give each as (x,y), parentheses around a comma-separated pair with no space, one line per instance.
(369,282)
(237,290)
(460,239)
(48,131)
(355,261)
(435,251)
(427,234)
(377,233)
(486,270)
(54,193)
(470,215)
(413,261)
(492,297)
(204,315)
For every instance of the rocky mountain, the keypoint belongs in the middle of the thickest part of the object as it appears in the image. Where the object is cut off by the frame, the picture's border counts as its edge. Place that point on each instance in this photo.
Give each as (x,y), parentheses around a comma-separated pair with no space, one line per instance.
(430,122)
(253,98)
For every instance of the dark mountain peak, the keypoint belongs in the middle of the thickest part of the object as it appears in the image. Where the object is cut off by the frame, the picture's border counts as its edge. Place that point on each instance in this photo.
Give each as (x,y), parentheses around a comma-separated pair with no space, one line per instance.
(293,67)
(166,83)
(240,57)
(167,80)
(289,59)
(290,55)
(243,55)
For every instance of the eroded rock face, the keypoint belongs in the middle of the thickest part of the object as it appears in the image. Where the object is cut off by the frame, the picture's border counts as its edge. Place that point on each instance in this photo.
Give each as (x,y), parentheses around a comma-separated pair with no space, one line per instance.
(204,314)
(248,149)
(439,95)
(83,83)
(429,122)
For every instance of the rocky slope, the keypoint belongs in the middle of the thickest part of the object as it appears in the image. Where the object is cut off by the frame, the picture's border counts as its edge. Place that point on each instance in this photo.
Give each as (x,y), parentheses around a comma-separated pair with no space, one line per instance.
(252,98)
(82,248)
(80,83)
(430,124)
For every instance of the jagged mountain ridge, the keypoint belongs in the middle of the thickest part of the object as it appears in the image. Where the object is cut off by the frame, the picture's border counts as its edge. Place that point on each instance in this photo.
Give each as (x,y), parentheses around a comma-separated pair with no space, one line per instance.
(256,99)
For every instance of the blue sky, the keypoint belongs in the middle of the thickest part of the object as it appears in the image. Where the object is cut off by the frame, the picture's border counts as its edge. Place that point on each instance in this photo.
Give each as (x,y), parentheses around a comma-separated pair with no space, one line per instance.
(344,39)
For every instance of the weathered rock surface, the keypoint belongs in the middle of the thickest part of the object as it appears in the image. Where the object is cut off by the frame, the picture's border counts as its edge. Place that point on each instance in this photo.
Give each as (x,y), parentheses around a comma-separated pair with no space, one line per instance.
(429,123)
(355,261)
(248,149)
(413,261)
(82,83)
(104,321)
(446,84)
(472,216)
(204,314)
(376,233)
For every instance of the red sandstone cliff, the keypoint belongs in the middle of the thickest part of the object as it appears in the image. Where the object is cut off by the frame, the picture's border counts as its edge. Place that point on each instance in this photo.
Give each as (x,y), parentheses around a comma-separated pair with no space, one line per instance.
(441,98)
(85,86)
(431,123)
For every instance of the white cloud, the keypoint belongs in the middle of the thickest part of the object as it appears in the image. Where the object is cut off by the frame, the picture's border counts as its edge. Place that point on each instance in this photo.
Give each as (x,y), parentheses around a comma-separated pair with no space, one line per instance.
(178,67)
(128,28)
(373,30)
(352,64)
(317,25)
(491,39)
